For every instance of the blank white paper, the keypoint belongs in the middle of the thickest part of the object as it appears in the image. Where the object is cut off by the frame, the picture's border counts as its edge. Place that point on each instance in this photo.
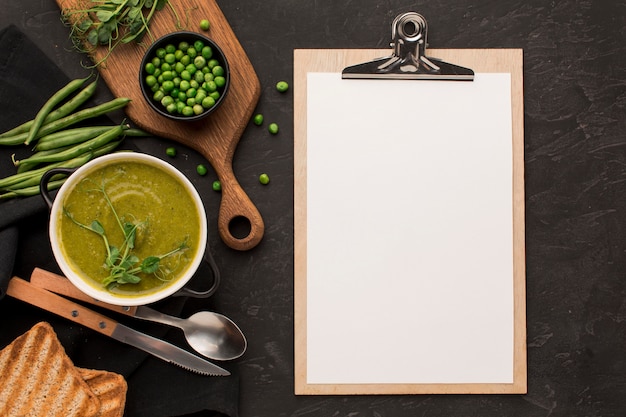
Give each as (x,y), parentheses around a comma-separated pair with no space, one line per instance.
(409,231)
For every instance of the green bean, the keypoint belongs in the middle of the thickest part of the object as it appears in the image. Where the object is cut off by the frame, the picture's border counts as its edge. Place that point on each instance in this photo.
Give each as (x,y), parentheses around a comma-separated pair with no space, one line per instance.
(16,178)
(136,133)
(65,109)
(103,150)
(50,104)
(70,120)
(17,139)
(79,149)
(29,166)
(69,137)
(35,179)
(30,191)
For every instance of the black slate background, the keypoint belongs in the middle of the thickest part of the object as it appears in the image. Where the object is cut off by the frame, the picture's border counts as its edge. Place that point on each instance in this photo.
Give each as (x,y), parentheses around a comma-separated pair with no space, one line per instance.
(575,153)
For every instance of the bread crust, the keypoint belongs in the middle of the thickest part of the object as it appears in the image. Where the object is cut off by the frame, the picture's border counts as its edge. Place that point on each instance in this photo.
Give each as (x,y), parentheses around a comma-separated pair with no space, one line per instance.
(39,379)
(111,389)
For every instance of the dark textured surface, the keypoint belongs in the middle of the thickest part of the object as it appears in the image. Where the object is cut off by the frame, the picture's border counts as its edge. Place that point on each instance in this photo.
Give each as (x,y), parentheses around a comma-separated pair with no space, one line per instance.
(575,152)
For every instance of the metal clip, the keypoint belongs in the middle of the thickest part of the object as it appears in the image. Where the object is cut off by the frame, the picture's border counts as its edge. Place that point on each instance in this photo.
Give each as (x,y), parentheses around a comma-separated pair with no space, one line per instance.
(409,61)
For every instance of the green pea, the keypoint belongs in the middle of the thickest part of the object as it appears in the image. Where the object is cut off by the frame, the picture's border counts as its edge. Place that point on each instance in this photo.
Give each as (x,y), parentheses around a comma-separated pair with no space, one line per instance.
(273,128)
(150,68)
(167,86)
(264,179)
(201,169)
(198,45)
(184,85)
(171,151)
(183,45)
(170,48)
(282,86)
(213,63)
(179,67)
(258,119)
(208,102)
(167,100)
(158,95)
(187,111)
(198,109)
(211,86)
(204,24)
(185,60)
(199,62)
(191,51)
(160,52)
(215,95)
(220,81)
(217,186)
(151,80)
(217,70)
(207,52)
(170,58)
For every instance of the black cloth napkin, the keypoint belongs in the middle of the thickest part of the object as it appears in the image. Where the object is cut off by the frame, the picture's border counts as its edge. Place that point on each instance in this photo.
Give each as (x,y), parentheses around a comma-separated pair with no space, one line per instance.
(155,388)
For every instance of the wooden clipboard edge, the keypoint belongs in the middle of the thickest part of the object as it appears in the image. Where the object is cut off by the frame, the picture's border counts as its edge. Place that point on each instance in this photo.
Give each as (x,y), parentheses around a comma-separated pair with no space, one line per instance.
(480,60)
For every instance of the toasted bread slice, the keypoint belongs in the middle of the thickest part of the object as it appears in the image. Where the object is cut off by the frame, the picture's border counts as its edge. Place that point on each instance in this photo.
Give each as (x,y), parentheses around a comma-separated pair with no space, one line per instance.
(39,379)
(110,388)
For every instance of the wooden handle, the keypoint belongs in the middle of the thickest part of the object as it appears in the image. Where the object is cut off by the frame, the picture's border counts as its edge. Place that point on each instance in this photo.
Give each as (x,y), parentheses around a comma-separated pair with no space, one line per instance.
(236,204)
(31,294)
(61,285)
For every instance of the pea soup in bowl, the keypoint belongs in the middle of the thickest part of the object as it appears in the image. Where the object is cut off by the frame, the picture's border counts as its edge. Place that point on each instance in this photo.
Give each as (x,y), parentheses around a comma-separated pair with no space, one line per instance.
(128,229)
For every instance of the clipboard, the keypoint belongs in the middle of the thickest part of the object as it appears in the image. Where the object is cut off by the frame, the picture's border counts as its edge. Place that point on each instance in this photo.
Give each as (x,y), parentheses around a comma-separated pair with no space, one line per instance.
(480,61)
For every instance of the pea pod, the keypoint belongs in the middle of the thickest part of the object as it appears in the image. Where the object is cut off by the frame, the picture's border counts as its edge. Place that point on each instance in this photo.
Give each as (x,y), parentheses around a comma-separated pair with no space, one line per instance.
(76,150)
(65,109)
(50,104)
(69,137)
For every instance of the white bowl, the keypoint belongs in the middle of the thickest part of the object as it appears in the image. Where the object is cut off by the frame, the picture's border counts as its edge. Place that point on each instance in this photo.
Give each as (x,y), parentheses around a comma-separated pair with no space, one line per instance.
(77,277)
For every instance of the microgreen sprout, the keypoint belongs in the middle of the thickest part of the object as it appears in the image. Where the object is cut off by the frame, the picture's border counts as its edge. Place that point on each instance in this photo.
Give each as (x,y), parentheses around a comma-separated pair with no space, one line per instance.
(121,262)
(113,22)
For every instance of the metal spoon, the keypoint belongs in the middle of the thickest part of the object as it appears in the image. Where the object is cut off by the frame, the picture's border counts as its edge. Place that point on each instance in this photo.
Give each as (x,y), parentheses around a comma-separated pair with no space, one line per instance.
(208,333)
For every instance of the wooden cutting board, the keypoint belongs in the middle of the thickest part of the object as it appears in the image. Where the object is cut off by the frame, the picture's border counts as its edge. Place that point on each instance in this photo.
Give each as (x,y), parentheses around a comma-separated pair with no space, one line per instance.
(215,137)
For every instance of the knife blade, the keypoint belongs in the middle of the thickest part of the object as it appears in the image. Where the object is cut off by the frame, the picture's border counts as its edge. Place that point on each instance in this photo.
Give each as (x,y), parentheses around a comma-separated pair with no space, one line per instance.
(39,297)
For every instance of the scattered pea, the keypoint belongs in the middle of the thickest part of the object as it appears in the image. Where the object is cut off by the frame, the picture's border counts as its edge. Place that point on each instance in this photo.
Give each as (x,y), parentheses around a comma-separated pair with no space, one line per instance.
(264,179)
(201,169)
(217,186)
(282,86)
(171,151)
(204,24)
(258,119)
(273,128)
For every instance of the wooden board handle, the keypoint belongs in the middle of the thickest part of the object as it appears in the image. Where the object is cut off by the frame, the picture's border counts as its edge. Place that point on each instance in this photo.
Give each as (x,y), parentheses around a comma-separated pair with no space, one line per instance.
(31,294)
(61,285)
(236,205)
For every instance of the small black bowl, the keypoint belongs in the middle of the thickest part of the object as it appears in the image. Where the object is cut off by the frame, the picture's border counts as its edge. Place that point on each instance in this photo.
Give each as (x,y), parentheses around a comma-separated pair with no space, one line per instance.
(185,57)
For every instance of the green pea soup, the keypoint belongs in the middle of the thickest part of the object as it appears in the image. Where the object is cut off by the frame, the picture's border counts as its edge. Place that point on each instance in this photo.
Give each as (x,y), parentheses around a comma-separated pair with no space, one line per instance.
(140,193)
